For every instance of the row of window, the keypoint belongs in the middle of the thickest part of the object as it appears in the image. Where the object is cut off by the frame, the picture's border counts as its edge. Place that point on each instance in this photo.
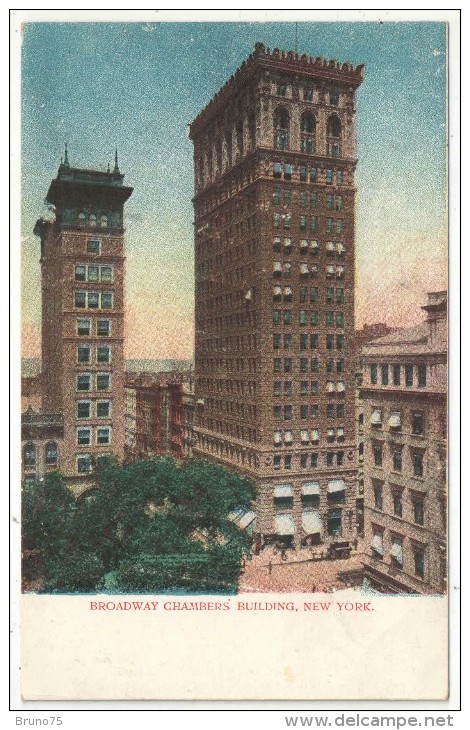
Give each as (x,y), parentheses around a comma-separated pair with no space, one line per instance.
(94,273)
(305,269)
(285,365)
(395,420)
(306,341)
(309,93)
(97,381)
(102,354)
(85,327)
(332,458)
(92,219)
(285,171)
(286,317)
(285,196)
(101,436)
(89,409)
(333,225)
(413,507)
(30,454)
(416,458)
(396,551)
(306,246)
(286,412)
(94,299)
(397,374)
(308,436)
(281,132)
(306,387)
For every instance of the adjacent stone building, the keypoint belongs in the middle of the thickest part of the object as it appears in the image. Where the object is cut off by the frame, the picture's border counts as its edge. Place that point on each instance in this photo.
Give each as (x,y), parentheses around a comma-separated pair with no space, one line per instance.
(403,417)
(275,160)
(82,271)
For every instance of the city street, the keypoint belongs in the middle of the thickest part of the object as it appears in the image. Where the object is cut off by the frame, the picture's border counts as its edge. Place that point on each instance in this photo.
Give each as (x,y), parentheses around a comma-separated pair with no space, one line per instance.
(299,573)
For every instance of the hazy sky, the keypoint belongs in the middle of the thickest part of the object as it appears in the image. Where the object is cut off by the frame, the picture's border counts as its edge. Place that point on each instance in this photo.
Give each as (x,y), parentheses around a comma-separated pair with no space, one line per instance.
(138,85)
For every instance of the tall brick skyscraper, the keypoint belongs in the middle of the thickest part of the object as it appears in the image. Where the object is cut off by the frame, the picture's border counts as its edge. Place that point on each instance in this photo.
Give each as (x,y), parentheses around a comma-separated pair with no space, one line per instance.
(275,156)
(82,266)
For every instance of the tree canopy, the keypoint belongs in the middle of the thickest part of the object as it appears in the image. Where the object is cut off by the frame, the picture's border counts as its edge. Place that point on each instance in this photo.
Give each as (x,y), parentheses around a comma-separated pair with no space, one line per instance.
(153,525)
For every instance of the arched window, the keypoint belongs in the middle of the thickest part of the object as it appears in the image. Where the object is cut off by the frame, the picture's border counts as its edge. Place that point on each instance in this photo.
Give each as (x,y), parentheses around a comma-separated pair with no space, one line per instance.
(92,220)
(29,455)
(333,137)
(281,129)
(239,133)
(51,454)
(81,218)
(307,132)
(104,221)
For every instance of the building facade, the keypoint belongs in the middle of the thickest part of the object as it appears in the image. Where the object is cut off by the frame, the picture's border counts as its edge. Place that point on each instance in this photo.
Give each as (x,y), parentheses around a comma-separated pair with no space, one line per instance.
(82,269)
(42,436)
(275,159)
(159,413)
(404,426)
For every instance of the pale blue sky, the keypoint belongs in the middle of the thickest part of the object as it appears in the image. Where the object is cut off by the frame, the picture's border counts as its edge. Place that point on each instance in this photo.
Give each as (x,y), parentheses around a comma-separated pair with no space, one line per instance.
(138,85)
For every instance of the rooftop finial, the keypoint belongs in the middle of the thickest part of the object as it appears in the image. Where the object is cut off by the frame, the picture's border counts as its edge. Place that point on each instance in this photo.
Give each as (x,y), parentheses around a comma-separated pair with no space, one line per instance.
(116,166)
(66,157)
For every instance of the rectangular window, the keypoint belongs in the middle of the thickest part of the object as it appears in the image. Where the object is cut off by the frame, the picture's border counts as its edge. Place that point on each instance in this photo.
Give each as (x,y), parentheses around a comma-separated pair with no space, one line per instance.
(93,299)
(93,273)
(330,225)
(303,198)
(277,412)
(277,195)
(314,200)
(277,244)
(303,173)
(287,341)
(313,174)
(330,341)
(418,463)
(288,413)
(378,497)
(422,376)
(288,462)
(103,435)
(83,436)
(329,319)
(303,365)
(397,496)
(80,299)
(83,382)
(384,374)
(287,172)
(287,387)
(303,412)
(417,424)
(339,342)
(340,410)
(377,451)
(84,327)
(276,342)
(287,220)
(276,220)
(330,458)
(339,319)
(103,408)
(396,374)
(397,459)
(93,246)
(83,409)
(277,171)
(277,387)
(106,274)
(303,294)
(84,464)
(276,316)
(103,328)
(288,365)
(314,411)
(313,341)
(409,376)
(339,203)
(80,273)
(303,223)
(103,354)
(287,316)
(373,374)
(304,387)
(329,202)
(277,461)
(303,342)
(302,317)
(418,510)
(339,177)
(419,562)
(313,294)
(339,226)
(103,381)
(277,364)
(329,176)
(83,354)
(313,224)
(314,365)
(339,296)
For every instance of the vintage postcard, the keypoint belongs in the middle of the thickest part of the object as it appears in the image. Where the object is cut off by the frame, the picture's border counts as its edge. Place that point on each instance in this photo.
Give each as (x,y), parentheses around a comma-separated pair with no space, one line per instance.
(234,315)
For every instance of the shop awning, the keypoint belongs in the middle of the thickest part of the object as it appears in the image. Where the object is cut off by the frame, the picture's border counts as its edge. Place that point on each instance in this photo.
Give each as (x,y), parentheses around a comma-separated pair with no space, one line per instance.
(284,525)
(283,490)
(376,417)
(336,485)
(311,522)
(396,551)
(376,544)
(246,519)
(309,488)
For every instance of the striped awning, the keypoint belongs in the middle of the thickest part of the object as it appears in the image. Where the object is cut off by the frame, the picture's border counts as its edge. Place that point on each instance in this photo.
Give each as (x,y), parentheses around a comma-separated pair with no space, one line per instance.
(311,522)
(284,525)
(336,485)
(283,490)
(309,488)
